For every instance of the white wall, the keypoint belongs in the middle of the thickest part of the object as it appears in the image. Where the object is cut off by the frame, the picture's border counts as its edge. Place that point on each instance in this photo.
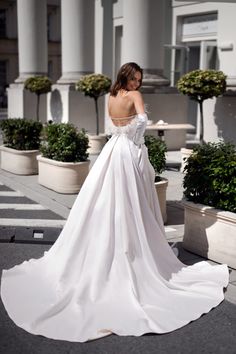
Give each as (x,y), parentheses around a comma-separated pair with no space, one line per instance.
(172,109)
(67,105)
(220,113)
(22,103)
(220,119)
(227,35)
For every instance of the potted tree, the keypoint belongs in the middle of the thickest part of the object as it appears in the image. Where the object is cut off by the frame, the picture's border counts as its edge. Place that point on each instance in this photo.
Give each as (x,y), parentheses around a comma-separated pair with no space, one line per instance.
(63,163)
(38,85)
(95,86)
(21,139)
(201,85)
(156,152)
(210,208)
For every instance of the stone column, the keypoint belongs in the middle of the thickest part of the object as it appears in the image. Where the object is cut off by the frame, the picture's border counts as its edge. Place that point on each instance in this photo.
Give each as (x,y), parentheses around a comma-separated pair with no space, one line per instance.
(77,21)
(145,32)
(32,38)
(33,58)
(144,38)
(64,103)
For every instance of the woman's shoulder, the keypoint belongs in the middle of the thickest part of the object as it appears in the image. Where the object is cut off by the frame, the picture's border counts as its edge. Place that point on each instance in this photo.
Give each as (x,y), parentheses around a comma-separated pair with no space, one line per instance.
(135,94)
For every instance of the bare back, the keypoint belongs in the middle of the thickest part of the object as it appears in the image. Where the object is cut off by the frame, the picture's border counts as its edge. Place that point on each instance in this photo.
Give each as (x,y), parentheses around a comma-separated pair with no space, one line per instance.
(124,106)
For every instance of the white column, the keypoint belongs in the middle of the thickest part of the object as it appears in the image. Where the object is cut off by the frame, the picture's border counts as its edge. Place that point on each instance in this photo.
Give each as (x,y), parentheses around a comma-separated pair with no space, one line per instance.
(143,33)
(33,58)
(64,103)
(77,20)
(32,38)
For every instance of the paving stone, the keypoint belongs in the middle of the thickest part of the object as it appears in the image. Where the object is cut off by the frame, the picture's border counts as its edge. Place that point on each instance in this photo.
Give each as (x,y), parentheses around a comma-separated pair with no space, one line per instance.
(4,188)
(187,257)
(16,200)
(36,235)
(29,214)
(230,294)
(232,275)
(7,234)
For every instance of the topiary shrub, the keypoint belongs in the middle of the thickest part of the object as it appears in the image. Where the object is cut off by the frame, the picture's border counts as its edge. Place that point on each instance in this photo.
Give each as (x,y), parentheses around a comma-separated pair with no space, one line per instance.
(38,85)
(94,86)
(156,152)
(21,134)
(200,85)
(210,177)
(63,142)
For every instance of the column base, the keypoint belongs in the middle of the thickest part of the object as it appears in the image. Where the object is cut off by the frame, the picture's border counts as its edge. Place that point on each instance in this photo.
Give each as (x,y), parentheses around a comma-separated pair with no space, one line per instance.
(22,103)
(24,76)
(65,104)
(72,77)
(153,79)
(231,82)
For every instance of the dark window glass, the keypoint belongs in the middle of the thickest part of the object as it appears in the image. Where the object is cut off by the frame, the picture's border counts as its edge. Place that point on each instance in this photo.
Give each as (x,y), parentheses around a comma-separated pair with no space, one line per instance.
(3,85)
(3,23)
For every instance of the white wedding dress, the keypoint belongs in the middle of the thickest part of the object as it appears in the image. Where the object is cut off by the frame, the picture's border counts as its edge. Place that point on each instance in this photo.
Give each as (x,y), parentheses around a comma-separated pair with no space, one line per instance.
(111,269)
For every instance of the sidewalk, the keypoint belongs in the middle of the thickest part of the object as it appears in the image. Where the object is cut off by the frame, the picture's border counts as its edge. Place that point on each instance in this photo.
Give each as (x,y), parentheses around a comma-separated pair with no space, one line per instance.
(213,333)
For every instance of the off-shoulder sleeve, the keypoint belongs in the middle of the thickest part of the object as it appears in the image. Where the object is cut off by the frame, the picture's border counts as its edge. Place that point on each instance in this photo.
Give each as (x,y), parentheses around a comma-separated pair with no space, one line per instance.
(141,126)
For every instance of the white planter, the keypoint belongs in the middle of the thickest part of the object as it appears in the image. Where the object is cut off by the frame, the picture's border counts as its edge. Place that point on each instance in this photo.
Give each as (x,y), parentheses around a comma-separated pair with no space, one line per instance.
(62,177)
(185,153)
(210,233)
(20,162)
(96,143)
(161,187)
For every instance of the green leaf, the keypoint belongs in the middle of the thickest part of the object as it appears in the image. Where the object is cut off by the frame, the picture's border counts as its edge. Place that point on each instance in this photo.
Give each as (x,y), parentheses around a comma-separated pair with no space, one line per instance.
(210,176)
(21,134)
(64,142)
(156,152)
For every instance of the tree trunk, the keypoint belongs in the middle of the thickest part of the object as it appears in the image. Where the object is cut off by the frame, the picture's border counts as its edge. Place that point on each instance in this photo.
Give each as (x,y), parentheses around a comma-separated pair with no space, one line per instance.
(37,111)
(97,115)
(201,121)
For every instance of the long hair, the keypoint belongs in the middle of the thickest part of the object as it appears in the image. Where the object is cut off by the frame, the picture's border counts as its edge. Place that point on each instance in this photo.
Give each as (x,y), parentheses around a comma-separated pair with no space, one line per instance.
(126,72)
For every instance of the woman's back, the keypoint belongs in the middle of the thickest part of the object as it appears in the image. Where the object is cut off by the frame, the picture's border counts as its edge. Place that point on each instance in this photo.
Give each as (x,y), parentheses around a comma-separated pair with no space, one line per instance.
(124,106)
(121,105)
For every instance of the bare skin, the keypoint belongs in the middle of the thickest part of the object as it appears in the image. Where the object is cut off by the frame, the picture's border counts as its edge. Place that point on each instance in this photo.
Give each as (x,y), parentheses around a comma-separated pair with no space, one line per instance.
(129,102)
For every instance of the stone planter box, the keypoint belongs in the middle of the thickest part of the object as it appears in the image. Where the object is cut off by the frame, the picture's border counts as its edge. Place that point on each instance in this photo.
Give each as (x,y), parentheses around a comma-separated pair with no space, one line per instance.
(96,143)
(19,162)
(161,187)
(210,233)
(62,177)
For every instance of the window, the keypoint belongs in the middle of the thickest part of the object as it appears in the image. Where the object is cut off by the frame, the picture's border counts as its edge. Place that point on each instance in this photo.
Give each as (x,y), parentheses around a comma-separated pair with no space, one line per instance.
(118,49)
(3,83)
(196,45)
(3,23)
(50,69)
(199,26)
(49,26)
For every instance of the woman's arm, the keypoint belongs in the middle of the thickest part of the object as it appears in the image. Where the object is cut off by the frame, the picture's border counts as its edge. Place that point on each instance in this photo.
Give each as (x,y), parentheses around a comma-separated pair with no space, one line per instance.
(137,101)
(141,117)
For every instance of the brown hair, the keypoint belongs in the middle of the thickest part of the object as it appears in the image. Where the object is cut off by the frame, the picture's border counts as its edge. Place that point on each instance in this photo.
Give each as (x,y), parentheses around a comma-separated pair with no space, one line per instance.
(126,72)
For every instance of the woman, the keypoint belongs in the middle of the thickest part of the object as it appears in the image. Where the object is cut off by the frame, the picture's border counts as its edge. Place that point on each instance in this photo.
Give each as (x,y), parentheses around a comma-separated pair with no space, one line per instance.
(111,269)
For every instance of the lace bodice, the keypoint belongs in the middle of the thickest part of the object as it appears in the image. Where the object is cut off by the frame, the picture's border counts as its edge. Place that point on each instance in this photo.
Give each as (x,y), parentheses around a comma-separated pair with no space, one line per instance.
(134,129)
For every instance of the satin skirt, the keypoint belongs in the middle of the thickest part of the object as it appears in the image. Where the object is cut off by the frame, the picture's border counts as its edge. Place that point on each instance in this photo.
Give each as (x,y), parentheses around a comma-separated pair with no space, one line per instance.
(111,270)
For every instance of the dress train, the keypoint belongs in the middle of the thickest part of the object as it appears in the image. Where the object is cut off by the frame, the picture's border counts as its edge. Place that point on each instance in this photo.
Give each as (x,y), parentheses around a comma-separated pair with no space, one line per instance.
(111,270)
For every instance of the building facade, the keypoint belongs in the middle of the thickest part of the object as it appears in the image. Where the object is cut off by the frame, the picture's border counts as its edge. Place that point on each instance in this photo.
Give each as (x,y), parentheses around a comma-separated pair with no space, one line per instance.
(204,38)
(67,39)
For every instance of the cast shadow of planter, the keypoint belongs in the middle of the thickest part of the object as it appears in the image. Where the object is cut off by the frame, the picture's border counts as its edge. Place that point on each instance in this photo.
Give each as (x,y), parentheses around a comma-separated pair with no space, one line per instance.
(225,118)
(175,213)
(56,107)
